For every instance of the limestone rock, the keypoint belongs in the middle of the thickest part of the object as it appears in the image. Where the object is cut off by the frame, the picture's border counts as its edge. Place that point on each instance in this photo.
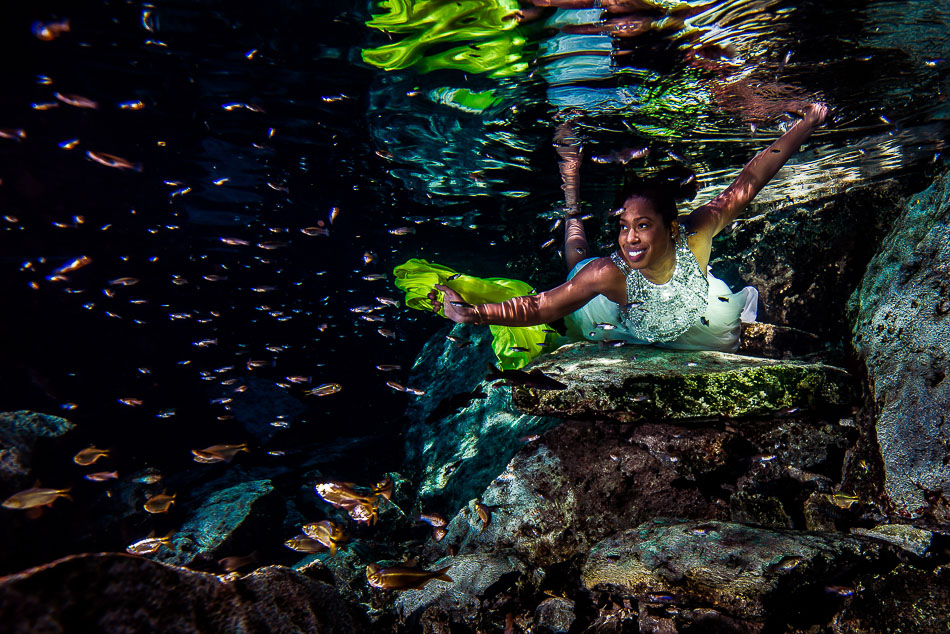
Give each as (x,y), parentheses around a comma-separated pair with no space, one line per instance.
(741,571)
(776,342)
(459,601)
(582,481)
(554,615)
(631,383)
(19,433)
(109,592)
(912,539)
(454,456)
(227,522)
(902,332)
(906,599)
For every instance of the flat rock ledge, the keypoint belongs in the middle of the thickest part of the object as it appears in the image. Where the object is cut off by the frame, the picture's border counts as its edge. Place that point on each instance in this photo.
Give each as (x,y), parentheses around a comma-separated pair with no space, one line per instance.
(631,383)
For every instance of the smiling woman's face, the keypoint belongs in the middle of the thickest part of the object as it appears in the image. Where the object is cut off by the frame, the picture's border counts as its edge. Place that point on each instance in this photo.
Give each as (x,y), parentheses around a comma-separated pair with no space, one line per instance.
(644,238)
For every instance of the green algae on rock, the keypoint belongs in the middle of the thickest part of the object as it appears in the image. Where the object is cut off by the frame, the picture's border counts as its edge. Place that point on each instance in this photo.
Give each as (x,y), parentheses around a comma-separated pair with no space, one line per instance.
(630,383)
(742,571)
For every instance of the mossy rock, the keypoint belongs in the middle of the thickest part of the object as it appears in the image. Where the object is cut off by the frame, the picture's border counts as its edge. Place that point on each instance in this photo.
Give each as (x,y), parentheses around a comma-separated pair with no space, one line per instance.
(631,383)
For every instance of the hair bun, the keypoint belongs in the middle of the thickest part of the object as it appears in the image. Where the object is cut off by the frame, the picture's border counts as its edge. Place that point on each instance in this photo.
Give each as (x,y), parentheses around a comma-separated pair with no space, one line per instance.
(677,181)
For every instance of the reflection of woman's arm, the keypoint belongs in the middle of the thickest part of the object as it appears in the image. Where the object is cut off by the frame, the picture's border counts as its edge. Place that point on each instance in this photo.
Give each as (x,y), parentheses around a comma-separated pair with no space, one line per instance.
(598,277)
(724,208)
(569,151)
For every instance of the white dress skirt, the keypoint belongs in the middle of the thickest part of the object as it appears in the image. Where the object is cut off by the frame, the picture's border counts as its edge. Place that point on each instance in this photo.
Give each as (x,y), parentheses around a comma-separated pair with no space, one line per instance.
(725,310)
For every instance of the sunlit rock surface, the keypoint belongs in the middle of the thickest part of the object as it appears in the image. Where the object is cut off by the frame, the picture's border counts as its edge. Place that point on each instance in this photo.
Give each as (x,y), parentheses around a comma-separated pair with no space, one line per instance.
(629,383)
(741,571)
(19,433)
(902,332)
(453,456)
(226,523)
(108,592)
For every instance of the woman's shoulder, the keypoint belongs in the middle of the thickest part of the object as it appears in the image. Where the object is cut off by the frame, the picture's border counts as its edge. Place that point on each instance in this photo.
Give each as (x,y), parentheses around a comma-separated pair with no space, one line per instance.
(602,275)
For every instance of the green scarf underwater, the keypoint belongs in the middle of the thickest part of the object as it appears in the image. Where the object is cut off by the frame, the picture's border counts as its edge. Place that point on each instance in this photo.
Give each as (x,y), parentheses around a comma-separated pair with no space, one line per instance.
(514,346)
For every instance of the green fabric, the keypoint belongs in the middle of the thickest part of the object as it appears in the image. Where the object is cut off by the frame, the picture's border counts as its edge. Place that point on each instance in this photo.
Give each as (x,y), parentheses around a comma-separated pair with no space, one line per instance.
(418,277)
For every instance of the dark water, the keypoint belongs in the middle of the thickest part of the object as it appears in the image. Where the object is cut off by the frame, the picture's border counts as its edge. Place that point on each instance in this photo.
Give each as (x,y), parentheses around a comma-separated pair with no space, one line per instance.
(235,130)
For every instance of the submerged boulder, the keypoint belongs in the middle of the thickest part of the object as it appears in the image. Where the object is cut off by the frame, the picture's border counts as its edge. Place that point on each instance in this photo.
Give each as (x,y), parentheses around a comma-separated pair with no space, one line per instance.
(474,577)
(228,522)
(773,248)
(629,383)
(455,448)
(110,592)
(739,571)
(19,433)
(584,480)
(902,332)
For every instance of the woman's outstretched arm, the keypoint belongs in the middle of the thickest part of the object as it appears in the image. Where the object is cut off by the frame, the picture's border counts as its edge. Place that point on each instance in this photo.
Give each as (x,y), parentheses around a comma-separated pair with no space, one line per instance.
(599,277)
(719,213)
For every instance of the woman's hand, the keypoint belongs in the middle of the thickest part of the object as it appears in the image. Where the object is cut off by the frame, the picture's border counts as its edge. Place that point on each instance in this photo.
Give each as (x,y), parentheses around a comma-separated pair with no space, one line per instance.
(813,114)
(454,308)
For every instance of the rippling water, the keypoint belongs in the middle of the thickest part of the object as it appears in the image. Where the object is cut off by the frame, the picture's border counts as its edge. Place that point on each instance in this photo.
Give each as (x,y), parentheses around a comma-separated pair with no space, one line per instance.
(195,196)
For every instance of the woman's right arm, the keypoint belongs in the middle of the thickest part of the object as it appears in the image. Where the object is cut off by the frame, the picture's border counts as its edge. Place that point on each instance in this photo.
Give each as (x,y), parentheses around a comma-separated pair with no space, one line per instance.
(600,277)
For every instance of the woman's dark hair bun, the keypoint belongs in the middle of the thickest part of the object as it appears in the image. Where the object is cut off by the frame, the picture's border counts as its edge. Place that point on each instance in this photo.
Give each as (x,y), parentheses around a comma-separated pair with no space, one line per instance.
(678,181)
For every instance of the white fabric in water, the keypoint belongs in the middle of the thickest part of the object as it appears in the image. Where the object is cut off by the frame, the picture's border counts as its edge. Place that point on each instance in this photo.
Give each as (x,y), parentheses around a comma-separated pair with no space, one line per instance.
(600,320)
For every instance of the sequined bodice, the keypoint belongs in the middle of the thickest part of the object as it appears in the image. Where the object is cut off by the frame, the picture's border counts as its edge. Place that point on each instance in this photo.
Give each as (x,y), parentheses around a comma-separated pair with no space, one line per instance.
(662,312)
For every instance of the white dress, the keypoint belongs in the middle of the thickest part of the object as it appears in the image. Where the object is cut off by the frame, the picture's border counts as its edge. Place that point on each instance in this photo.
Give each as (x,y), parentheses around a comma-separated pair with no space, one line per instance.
(716,329)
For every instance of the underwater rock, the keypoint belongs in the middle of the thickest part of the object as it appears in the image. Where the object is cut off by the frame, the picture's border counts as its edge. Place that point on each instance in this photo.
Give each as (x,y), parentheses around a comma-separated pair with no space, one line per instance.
(554,615)
(110,592)
(743,572)
(776,342)
(774,249)
(228,522)
(630,383)
(906,599)
(454,457)
(19,434)
(582,481)
(902,333)
(473,576)
(910,538)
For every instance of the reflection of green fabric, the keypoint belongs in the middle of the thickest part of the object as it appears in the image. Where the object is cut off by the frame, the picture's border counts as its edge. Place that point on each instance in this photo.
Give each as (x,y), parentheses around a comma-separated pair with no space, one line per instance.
(418,277)
(464,99)
(486,30)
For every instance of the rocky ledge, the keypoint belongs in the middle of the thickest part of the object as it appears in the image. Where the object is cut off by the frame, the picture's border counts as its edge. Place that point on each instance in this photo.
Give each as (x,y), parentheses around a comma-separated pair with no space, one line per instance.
(109,592)
(629,383)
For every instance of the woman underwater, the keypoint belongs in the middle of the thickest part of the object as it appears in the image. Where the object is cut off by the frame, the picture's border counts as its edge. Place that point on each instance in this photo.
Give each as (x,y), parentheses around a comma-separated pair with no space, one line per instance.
(656,288)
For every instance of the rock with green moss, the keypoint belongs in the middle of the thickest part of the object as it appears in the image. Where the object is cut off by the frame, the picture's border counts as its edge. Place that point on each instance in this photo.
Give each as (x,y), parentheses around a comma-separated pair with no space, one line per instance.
(902,332)
(755,575)
(629,383)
